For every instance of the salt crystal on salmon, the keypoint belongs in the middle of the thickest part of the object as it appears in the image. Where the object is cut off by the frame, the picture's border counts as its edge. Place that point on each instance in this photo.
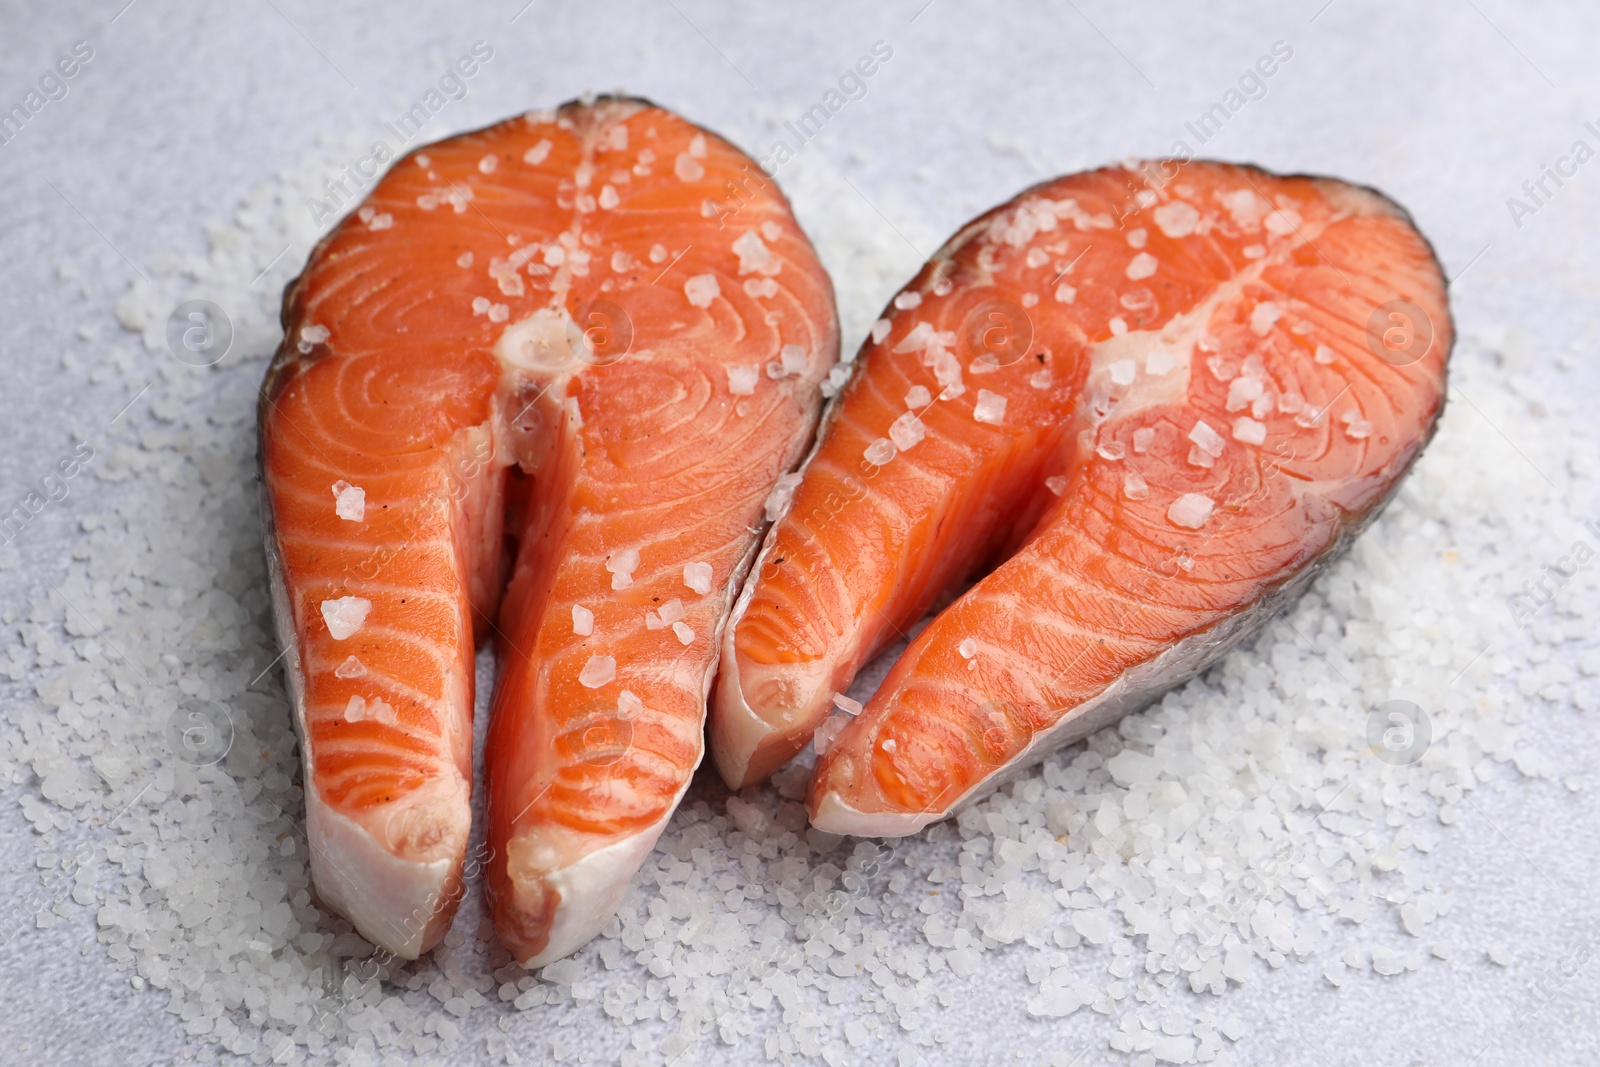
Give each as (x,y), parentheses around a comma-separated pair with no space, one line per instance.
(697,576)
(597,671)
(582,620)
(349,501)
(345,615)
(1191,510)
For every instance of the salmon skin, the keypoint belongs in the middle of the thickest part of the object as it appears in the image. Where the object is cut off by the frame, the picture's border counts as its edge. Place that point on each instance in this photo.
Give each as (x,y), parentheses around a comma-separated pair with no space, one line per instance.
(596,332)
(1163,395)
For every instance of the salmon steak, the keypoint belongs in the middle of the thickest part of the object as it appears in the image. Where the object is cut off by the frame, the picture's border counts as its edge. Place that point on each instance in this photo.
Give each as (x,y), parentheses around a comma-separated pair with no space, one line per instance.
(1123,419)
(538,387)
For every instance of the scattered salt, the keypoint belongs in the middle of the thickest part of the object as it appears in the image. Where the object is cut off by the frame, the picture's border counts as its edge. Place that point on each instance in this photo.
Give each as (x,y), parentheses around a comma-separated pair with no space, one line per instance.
(1177,218)
(697,576)
(345,615)
(990,408)
(1206,439)
(688,168)
(846,705)
(701,290)
(597,671)
(906,431)
(742,379)
(1102,856)
(1249,430)
(1191,510)
(1263,317)
(794,360)
(582,620)
(349,501)
(622,563)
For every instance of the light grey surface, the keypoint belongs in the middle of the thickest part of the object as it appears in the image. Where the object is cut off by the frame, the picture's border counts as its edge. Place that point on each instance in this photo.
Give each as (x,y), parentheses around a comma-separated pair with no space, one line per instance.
(1447,107)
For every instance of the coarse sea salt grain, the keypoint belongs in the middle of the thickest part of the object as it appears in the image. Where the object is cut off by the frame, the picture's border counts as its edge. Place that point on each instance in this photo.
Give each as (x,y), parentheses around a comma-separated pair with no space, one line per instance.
(702,289)
(990,408)
(697,576)
(907,431)
(744,930)
(1206,439)
(688,168)
(1191,510)
(1141,266)
(345,615)
(1177,218)
(794,360)
(582,620)
(349,501)
(781,496)
(742,379)
(1249,431)
(622,563)
(597,671)
(822,739)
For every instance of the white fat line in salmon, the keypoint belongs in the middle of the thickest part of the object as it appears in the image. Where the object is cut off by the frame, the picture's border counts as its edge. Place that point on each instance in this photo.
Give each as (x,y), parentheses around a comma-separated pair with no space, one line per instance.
(1537,592)
(355,177)
(852,86)
(458,478)
(1252,86)
(829,508)
(53,87)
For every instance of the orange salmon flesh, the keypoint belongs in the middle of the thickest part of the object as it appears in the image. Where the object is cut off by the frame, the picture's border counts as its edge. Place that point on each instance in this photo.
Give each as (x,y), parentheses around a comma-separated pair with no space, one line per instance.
(596,333)
(1141,406)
